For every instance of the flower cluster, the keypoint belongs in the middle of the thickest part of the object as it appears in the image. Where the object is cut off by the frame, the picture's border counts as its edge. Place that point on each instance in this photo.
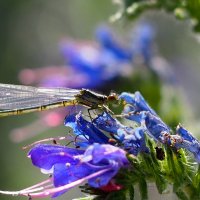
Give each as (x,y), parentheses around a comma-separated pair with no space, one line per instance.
(103,146)
(102,61)
(92,64)
(140,112)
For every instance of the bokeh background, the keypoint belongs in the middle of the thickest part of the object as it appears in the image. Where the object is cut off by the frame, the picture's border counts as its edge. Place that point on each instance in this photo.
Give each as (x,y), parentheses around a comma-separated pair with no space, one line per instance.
(30,32)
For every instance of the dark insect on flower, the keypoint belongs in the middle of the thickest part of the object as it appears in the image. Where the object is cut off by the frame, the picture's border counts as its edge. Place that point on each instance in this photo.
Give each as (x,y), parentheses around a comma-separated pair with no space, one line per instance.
(160,154)
(94,100)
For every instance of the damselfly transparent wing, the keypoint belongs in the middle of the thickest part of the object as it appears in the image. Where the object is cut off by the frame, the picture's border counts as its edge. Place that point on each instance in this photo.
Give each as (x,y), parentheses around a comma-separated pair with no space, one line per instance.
(17,99)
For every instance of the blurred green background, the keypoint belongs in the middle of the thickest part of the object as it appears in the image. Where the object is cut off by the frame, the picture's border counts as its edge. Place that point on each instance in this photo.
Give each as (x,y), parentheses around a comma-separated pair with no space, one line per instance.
(29,36)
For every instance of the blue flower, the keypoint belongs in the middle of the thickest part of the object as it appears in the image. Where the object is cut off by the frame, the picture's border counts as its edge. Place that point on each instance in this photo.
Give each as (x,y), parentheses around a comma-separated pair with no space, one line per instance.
(84,59)
(136,145)
(155,127)
(142,44)
(189,142)
(135,104)
(132,140)
(98,164)
(152,125)
(85,130)
(138,110)
(105,37)
(185,134)
(107,123)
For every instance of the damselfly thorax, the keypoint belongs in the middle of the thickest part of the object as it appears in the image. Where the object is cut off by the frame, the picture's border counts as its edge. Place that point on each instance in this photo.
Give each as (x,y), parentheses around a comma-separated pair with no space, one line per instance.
(19,99)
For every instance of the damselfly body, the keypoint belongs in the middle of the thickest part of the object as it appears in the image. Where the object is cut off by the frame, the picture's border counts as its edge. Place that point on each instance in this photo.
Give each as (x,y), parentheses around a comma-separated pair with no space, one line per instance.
(19,99)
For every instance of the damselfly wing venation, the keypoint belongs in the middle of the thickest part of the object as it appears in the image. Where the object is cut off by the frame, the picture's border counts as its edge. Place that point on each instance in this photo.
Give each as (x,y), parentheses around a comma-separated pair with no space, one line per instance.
(19,99)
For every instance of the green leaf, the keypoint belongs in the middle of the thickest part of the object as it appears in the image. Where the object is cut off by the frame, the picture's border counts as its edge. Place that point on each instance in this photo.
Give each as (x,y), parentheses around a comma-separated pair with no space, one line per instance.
(143,188)
(131,192)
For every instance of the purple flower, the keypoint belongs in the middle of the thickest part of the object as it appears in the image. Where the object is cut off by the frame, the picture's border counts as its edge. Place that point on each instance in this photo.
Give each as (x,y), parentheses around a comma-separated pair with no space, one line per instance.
(98,164)
(45,156)
(85,130)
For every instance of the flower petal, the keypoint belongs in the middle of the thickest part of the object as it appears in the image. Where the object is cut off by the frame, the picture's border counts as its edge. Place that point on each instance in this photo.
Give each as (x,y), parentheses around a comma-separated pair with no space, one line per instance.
(45,156)
(86,130)
(64,173)
(137,102)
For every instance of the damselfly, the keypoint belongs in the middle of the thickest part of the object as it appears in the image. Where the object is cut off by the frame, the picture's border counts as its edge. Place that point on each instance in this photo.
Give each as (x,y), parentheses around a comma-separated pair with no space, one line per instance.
(19,99)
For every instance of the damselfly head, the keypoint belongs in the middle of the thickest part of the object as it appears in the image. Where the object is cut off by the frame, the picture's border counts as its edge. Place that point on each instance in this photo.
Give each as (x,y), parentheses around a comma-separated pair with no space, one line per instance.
(113,96)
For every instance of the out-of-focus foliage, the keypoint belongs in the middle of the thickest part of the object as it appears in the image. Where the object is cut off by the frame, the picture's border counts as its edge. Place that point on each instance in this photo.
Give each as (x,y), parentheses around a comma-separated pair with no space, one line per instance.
(182,9)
